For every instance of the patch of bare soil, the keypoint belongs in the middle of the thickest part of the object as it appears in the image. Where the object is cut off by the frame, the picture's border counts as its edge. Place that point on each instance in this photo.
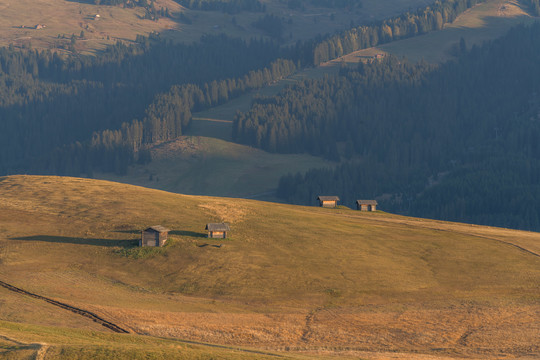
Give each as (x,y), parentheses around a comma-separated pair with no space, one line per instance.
(464,330)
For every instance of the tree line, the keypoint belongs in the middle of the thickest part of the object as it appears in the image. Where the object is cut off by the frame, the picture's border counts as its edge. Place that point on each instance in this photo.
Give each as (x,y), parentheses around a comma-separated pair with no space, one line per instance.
(166,118)
(459,141)
(272,25)
(227,6)
(534,6)
(424,20)
(340,4)
(48,101)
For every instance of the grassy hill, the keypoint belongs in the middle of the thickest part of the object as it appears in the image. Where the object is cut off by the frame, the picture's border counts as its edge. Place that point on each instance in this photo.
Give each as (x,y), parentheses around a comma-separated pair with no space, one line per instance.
(484,22)
(320,282)
(62,18)
(210,166)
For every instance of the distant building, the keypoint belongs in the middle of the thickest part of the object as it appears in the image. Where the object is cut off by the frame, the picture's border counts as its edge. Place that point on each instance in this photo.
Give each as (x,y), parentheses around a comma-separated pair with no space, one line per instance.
(217,230)
(366,205)
(328,201)
(154,236)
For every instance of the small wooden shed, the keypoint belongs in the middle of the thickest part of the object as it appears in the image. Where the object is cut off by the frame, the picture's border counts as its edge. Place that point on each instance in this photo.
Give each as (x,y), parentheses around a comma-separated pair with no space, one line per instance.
(366,205)
(217,230)
(328,201)
(154,236)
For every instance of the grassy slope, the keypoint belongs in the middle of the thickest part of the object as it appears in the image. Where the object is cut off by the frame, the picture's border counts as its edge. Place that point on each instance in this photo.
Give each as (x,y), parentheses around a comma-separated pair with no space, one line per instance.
(24,341)
(66,17)
(484,22)
(62,17)
(290,276)
(202,165)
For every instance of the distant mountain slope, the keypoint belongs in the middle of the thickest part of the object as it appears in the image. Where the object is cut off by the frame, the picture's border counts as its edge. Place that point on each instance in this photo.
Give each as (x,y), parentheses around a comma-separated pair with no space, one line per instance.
(50,24)
(288,278)
(202,165)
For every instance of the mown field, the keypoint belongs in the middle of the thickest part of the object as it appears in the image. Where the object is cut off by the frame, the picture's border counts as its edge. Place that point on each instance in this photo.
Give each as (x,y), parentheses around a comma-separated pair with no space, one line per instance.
(292,279)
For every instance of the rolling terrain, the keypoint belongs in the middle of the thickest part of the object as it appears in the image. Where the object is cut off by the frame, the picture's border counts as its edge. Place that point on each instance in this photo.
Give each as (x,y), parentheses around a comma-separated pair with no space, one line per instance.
(63,18)
(211,166)
(484,22)
(299,281)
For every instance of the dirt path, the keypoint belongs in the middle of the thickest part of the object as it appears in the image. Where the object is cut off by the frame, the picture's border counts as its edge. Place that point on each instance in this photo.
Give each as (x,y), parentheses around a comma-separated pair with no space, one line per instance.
(310,319)
(42,351)
(109,325)
(41,348)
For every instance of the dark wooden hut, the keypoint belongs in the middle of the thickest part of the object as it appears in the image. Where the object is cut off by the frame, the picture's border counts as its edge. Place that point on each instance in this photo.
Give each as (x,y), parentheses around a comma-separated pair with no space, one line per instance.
(328,201)
(366,205)
(217,230)
(154,236)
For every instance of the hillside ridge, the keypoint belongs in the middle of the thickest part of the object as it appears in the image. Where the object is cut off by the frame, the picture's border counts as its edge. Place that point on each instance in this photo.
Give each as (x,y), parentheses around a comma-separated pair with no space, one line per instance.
(291,279)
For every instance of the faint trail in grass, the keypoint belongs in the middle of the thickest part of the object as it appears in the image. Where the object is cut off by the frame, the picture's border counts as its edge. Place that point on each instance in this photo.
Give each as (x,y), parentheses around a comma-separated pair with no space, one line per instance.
(462,233)
(41,347)
(308,327)
(109,325)
(259,352)
(42,351)
(431,227)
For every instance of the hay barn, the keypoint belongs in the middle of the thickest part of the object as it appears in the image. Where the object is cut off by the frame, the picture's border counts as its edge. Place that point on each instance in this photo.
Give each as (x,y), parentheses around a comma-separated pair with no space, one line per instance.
(328,201)
(154,236)
(366,205)
(218,230)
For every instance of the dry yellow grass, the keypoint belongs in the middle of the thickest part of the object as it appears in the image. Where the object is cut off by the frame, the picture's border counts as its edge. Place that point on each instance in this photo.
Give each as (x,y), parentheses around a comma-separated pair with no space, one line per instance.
(313,281)
(64,18)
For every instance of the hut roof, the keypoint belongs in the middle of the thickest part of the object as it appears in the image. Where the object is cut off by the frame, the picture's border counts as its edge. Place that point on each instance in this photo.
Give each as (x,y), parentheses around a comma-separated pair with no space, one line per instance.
(218,227)
(158,228)
(328,198)
(366,202)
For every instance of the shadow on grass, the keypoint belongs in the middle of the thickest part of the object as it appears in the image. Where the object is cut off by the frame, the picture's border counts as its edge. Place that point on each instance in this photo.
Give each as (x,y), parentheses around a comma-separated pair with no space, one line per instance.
(127,243)
(188,233)
(83,1)
(211,245)
(137,232)
(172,232)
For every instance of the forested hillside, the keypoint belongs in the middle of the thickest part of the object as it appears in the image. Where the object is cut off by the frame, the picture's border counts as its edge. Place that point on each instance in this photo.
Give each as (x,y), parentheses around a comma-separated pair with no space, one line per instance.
(70,115)
(410,24)
(423,133)
(48,101)
(534,5)
(458,142)
(228,6)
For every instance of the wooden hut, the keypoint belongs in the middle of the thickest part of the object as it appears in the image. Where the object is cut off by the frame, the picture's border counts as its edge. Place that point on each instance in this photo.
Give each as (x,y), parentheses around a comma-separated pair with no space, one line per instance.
(154,236)
(217,230)
(366,205)
(328,201)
